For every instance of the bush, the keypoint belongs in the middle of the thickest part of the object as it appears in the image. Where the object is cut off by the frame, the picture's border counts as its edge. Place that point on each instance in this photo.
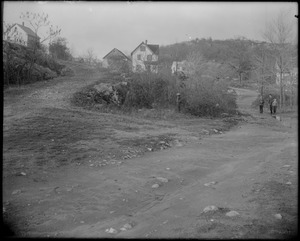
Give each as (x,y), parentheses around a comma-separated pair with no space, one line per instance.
(207,97)
(147,90)
(199,96)
(67,71)
(19,67)
(48,62)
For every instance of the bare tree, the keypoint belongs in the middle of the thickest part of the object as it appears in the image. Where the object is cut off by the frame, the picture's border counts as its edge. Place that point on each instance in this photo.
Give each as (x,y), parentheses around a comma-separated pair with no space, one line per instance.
(90,55)
(239,57)
(262,65)
(38,21)
(279,33)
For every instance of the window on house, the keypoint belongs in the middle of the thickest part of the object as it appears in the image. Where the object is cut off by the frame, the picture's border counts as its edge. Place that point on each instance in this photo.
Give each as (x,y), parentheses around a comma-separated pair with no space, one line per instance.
(149,57)
(139,57)
(143,48)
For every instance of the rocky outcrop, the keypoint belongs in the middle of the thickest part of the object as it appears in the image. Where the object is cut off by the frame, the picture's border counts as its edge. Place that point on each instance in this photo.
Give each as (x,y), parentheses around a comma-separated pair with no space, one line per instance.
(111,93)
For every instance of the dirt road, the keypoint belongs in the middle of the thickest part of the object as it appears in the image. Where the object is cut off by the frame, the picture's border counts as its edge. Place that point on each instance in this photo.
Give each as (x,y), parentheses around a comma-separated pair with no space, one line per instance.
(49,192)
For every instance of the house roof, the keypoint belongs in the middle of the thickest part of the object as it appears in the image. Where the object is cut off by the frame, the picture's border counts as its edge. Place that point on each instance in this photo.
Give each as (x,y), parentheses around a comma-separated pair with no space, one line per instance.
(153,47)
(115,49)
(27,30)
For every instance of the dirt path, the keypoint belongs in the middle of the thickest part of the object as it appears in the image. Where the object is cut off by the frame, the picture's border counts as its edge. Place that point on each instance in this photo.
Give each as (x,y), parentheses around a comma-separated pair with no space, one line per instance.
(253,168)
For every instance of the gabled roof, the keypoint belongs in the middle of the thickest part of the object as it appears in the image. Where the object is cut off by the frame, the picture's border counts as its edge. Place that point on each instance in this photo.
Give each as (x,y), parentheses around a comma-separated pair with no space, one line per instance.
(153,47)
(27,30)
(115,49)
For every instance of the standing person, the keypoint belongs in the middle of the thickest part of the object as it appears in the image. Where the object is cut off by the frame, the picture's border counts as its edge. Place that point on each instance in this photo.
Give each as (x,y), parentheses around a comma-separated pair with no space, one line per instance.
(261,104)
(274,105)
(270,104)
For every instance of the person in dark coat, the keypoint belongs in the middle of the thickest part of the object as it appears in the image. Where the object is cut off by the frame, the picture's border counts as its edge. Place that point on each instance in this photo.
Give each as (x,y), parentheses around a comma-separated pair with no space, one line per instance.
(261,104)
(270,103)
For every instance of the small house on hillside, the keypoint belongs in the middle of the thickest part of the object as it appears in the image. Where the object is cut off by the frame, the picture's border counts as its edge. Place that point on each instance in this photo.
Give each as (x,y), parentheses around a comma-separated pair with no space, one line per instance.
(20,34)
(116,60)
(145,57)
(289,76)
(178,67)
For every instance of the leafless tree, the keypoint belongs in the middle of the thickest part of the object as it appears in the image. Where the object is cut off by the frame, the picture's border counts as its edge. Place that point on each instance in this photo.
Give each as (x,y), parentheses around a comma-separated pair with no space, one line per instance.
(38,21)
(90,55)
(280,34)
(262,65)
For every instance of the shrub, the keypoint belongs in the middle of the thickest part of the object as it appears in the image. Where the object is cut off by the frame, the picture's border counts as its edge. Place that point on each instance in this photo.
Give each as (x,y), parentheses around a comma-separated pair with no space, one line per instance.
(22,65)
(147,90)
(207,97)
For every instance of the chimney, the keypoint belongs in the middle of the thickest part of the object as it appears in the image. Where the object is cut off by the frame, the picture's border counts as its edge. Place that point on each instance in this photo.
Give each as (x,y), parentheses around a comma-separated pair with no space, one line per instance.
(146,41)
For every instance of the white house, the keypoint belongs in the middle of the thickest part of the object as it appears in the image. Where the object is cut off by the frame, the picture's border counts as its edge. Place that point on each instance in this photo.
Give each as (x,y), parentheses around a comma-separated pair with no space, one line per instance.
(22,35)
(145,57)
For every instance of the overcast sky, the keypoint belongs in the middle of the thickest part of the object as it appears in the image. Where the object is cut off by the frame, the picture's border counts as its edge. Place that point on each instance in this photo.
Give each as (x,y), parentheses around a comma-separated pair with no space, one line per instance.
(103,26)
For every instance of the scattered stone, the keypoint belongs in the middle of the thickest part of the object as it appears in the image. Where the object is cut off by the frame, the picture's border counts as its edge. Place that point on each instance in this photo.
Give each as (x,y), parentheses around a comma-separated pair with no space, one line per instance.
(150,149)
(18,191)
(232,214)
(155,185)
(111,230)
(288,183)
(205,132)
(81,221)
(286,165)
(111,212)
(210,184)
(278,216)
(20,174)
(215,130)
(210,208)
(91,165)
(177,143)
(162,179)
(167,168)
(126,227)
